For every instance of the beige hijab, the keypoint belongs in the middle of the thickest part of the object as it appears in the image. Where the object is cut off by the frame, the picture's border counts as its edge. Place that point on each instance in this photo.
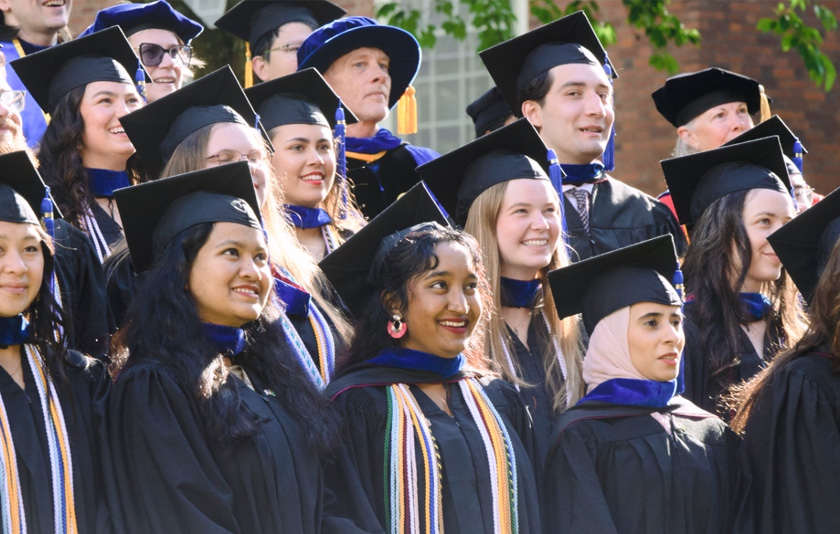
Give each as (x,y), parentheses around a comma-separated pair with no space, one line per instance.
(608,355)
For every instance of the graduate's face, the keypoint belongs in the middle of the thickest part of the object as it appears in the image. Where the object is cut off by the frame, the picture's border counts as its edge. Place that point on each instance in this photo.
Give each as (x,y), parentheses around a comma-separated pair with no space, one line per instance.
(228,142)
(527,228)
(716,126)
(230,276)
(304,162)
(104,142)
(655,337)
(36,18)
(362,81)
(443,304)
(282,60)
(764,212)
(11,124)
(168,75)
(577,113)
(21,267)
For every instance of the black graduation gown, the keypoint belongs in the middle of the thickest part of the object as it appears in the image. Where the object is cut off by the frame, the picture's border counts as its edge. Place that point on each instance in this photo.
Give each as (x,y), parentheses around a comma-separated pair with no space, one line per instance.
(700,388)
(792,449)
(84,411)
(378,184)
(111,231)
(170,476)
(619,215)
(357,475)
(615,469)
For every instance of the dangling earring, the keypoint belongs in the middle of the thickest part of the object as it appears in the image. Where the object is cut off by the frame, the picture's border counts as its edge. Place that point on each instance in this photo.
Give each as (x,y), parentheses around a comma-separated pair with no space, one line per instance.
(397,327)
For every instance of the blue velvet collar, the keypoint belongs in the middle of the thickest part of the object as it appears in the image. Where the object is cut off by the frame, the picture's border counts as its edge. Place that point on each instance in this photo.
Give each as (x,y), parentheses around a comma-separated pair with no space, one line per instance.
(416,360)
(383,140)
(228,339)
(518,293)
(14,330)
(582,174)
(303,217)
(103,182)
(758,306)
(297,300)
(633,392)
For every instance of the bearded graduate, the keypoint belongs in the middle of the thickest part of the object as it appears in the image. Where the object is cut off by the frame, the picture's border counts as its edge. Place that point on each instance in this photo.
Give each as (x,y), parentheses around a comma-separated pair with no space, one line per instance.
(420,405)
(633,456)
(52,400)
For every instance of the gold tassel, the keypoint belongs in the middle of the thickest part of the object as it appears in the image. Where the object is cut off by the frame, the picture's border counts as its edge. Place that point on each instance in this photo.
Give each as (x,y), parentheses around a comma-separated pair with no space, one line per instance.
(407,112)
(249,71)
(765,105)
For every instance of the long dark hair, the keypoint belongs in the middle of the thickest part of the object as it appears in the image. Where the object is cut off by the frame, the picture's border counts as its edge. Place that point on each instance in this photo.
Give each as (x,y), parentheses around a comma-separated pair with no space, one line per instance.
(408,259)
(60,155)
(823,335)
(719,244)
(163,327)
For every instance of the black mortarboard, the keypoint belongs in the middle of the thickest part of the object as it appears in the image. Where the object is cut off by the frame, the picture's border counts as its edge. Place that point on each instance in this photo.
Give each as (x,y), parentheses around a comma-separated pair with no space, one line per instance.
(51,73)
(688,95)
(157,129)
(512,152)
(21,190)
(154,212)
(303,97)
(514,63)
(772,126)
(349,265)
(697,180)
(251,19)
(805,242)
(133,18)
(598,286)
(487,109)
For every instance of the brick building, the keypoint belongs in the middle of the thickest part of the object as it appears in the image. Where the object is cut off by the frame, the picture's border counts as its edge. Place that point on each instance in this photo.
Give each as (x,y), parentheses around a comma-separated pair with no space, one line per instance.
(452,75)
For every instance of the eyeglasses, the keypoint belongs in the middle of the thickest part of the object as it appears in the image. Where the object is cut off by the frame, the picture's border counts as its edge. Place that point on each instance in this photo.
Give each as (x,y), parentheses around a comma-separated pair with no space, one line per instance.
(254,157)
(151,55)
(13,100)
(290,47)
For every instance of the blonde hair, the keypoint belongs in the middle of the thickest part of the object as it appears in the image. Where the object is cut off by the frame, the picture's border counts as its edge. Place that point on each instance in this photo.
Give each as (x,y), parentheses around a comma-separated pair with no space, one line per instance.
(283,246)
(481,223)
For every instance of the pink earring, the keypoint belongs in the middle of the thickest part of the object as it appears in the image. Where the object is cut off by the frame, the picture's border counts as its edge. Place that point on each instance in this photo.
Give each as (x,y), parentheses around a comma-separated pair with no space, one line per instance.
(397,327)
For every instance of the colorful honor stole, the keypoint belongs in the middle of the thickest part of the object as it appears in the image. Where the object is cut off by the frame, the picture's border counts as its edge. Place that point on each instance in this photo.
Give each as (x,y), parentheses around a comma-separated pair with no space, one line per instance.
(61,461)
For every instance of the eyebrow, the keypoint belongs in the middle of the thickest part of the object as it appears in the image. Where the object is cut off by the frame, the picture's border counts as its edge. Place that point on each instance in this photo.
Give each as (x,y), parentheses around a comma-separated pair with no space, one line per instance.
(108,93)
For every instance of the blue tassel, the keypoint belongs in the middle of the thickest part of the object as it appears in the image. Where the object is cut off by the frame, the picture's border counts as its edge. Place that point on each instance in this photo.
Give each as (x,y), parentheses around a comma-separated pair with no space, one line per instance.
(555,174)
(678,283)
(140,81)
(797,155)
(257,122)
(609,152)
(49,227)
(341,160)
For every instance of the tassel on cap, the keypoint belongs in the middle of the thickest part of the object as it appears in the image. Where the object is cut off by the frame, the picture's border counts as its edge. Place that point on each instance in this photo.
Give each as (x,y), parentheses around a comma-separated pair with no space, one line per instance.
(140,80)
(678,283)
(249,69)
(609,151)
(49,227)
(341,160)
(555,174)
(765,105)
(407,112)
(797,155)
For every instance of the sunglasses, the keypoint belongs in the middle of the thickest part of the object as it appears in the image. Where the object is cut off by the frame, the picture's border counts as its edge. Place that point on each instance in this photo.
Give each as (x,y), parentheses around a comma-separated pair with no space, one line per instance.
(151,55)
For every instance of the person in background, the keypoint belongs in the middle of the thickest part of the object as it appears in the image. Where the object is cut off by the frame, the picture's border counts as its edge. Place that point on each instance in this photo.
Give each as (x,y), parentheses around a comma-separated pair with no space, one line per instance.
(273,31)
(489,112)
(559,77)
(160,36)
(371,67)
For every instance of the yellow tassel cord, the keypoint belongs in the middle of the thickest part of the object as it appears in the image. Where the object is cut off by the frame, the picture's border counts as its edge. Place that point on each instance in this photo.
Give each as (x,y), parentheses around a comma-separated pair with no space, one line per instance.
(765,105)
(249,70)
(407,113)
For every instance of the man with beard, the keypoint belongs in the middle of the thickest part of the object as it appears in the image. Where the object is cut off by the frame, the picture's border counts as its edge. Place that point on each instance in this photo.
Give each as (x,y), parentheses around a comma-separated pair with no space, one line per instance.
(11,104)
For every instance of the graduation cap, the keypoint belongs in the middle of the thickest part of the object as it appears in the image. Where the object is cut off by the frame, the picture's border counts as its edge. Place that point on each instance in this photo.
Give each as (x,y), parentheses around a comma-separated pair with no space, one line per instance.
(806,241)
(514,63)
(154,212)
(510,153)
(104,56)
(487,109)
(685,96)
(22,190)
(303,97)
(697,180)
(133,18)
(157,129)
(348,266)
(342,36)
(791,146)
(598,286)
(251,19)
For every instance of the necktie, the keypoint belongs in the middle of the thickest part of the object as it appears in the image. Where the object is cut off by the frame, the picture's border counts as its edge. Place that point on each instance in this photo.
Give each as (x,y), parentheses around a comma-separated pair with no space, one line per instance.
(582,197)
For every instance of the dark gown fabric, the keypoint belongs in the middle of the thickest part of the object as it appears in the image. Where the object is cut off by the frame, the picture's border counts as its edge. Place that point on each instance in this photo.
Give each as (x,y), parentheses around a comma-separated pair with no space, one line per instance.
(356,476)
(792,449)
(82,288)
(703,389)
(615,469)
(84,407)
(111,231)
(181,480)
(619,215)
